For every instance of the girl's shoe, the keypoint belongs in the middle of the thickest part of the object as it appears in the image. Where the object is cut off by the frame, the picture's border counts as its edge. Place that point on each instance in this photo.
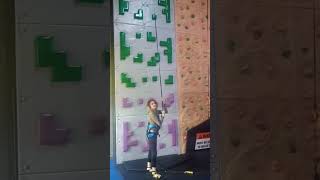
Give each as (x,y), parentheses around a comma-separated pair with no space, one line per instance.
(153,170)
(148,166)
(156,175)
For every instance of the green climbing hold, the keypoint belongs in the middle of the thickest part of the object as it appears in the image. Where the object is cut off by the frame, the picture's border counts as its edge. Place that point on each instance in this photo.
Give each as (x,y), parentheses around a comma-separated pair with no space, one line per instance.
(138,58)
(169,80)
(47,57)
(168,50)
(127,81)
(166,10)
(154,17)
(144,79)
(154,78)
(139,14)
(123,7)
(124,50)
(138,35)
(150,37)
(154,60)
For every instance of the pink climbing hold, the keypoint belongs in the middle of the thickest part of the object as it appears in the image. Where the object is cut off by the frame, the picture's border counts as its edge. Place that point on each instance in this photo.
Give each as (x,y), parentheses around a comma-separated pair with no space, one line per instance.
(140,101)
(126,103)
(145,147)
(127,134)
(50,133)
(162,146)
(141,124)
(169,100)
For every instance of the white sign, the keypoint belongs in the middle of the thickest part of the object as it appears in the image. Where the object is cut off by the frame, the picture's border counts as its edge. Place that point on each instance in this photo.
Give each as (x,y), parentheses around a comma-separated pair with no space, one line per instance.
(202,141)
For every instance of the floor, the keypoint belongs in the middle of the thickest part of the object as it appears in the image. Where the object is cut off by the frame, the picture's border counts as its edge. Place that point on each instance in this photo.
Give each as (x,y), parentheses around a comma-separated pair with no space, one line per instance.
(171,168)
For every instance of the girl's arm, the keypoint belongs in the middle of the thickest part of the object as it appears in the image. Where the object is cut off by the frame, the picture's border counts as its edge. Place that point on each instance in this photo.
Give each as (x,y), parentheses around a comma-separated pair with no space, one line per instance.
(154,120)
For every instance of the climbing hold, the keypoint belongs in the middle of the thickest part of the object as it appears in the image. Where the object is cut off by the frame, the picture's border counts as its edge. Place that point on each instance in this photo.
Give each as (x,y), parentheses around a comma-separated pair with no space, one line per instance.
(46,57)
(123,6)
(286,54)
(139,14)
(144,79)
(154,78)
(138,58)
(127,81)
(166,10)
(138,35)
(154,60)
(124,50)
(168,50)
(154,17)
(150,37)
(231,45)
(169,80)
(257,34)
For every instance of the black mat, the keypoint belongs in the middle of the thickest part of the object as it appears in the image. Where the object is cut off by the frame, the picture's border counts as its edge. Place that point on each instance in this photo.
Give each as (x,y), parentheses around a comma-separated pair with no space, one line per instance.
(170,167)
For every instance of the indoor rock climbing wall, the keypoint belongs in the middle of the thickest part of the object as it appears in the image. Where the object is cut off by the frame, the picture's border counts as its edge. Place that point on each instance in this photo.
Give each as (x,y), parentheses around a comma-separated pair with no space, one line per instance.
(193,64)
(265,90)
(62,91)
(145,67)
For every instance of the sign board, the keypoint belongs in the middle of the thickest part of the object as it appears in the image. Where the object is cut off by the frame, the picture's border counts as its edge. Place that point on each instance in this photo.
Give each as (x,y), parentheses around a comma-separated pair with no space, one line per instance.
(202,141)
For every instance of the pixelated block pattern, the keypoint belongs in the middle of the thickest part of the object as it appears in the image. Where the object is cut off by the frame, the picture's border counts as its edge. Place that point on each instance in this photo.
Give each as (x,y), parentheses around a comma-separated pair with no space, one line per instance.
(135,12)
(71,102)
(131,137)
(145,67)
(193,63)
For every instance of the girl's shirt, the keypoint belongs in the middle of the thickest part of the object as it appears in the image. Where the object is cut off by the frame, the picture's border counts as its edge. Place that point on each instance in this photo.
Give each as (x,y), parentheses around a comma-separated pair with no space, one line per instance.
(155,117)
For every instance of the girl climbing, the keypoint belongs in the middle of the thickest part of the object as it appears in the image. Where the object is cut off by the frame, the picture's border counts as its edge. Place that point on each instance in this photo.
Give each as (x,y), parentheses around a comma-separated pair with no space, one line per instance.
(155,119)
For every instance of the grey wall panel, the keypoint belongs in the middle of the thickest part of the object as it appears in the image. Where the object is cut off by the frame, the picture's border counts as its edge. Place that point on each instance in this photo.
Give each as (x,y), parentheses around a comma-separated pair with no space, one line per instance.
(69,12)
(74,104)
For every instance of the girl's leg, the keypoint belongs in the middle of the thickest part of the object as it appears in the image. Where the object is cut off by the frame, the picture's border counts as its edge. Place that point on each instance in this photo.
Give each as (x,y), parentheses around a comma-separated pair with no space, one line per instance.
(154,153)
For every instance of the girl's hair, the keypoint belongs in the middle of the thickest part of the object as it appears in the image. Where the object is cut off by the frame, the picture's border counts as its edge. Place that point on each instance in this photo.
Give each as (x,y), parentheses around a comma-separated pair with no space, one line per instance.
(150,100)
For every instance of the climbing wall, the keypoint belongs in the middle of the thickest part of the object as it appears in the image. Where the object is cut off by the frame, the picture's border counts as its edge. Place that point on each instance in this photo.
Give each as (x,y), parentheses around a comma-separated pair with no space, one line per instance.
(145,67)
(193,64)
(265,128)
(62,91)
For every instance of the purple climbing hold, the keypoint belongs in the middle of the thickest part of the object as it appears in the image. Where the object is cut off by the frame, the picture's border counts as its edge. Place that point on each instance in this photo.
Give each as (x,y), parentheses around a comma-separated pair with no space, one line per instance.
(173,131)
(50,133)
(127,134)
(169,100)
(126,103)
(140,101)
(162,146)
(141,124)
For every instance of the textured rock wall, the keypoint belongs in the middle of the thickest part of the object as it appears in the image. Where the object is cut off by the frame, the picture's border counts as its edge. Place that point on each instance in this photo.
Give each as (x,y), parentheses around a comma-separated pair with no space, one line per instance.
(193,60)
(265,89)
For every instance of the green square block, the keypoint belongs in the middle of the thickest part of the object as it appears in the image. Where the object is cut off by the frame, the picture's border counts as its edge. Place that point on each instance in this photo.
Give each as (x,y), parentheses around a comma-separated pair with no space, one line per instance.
(154,17)
(154,78)
(144,79)
(150,37)
(138,35)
